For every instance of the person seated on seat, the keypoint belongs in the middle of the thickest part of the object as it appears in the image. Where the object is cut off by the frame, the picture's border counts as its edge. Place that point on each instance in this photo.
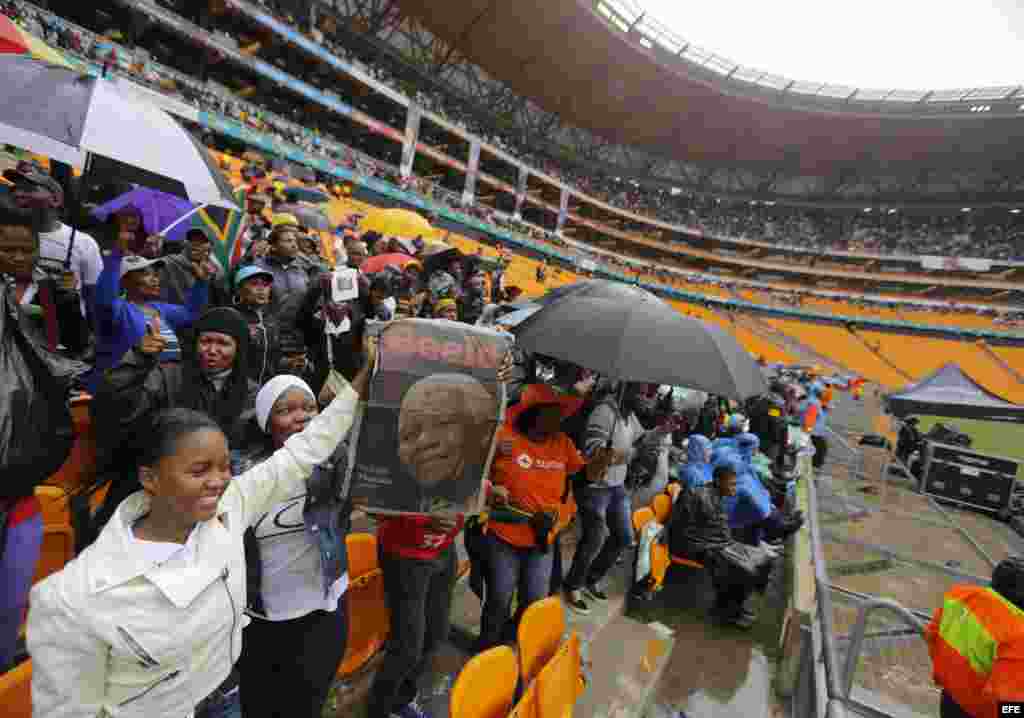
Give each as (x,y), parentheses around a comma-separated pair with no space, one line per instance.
(697,469)
(751,512)
(699,530)
(733,426)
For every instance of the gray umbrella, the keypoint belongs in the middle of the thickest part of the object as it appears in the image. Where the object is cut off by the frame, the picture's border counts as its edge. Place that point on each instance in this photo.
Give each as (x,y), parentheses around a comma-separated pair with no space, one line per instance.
(309,217)
(642,341)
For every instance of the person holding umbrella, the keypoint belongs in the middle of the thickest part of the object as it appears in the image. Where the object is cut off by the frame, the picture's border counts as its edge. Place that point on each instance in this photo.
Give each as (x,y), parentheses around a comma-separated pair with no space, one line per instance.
(38,191)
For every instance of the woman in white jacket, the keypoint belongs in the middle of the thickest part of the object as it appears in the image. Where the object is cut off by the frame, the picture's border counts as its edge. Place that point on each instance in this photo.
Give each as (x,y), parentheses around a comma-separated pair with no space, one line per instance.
(148,620)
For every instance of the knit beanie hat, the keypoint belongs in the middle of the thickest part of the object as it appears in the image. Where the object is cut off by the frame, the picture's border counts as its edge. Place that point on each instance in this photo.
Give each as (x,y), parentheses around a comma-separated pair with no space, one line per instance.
(274,390)
(223,320)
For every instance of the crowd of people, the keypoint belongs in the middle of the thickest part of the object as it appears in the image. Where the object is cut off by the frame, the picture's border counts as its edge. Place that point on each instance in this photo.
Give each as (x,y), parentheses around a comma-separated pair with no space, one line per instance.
(815,231)
(213,574)
(207,384)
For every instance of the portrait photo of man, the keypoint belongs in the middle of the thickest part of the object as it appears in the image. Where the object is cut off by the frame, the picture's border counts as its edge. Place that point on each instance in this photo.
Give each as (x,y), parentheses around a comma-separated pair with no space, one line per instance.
(446,425)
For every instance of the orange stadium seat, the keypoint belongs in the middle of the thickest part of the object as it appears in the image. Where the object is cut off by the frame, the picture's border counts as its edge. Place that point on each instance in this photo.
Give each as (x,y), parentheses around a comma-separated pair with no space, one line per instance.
(560,682)
(16,691)
(58,535)
(527,705)
(540,633)
(486,686)
(365,598)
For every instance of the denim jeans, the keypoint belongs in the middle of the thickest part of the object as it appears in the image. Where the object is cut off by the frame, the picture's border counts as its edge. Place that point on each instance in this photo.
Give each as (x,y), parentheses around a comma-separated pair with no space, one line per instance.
(511,568)
(229,707)
(419,596)
(607,526)
(17,569)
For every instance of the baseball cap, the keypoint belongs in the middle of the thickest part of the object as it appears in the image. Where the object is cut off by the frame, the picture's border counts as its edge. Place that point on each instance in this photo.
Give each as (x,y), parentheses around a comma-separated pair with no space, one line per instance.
(28,172)
(251,270)
(133,263)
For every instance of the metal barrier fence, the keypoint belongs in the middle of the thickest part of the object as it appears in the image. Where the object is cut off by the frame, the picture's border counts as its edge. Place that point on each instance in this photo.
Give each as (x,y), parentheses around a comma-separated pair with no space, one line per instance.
(883,556)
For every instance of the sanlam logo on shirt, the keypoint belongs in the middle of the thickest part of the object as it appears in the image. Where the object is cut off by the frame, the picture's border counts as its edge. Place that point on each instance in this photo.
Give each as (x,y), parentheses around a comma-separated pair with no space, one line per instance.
(527,462)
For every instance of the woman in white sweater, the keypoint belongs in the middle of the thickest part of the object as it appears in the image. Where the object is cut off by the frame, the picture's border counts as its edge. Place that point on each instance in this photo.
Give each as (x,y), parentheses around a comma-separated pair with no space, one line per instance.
(148,620)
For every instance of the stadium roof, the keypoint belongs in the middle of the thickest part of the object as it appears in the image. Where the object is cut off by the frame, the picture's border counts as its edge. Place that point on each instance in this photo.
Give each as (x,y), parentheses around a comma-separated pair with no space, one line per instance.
(636,16)
(636,83)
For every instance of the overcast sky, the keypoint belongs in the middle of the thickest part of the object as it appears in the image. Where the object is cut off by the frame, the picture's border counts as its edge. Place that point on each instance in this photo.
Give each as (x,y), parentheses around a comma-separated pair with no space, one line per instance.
(904,44)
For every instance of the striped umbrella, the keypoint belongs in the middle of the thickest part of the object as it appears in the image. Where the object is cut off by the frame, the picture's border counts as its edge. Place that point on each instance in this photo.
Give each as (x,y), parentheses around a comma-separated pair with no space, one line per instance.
(87,121)
(14,40)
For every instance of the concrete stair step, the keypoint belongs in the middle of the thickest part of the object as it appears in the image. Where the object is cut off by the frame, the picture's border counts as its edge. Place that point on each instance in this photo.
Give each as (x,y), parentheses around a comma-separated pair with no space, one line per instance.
(626,661)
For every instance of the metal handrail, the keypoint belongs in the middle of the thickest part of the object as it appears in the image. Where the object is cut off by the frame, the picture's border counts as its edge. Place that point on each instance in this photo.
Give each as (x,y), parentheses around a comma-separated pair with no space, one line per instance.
(859,629)
(824,599)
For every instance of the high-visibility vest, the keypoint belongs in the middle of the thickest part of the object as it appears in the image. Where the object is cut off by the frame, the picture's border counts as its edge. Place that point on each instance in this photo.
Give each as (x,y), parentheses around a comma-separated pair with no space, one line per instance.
(976,641)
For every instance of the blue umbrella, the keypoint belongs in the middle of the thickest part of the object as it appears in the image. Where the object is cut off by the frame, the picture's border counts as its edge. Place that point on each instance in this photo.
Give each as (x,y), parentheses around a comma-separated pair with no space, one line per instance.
(159,210)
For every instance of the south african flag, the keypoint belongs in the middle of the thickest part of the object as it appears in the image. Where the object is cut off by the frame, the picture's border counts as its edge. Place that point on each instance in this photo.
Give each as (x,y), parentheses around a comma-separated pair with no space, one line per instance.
(225,229)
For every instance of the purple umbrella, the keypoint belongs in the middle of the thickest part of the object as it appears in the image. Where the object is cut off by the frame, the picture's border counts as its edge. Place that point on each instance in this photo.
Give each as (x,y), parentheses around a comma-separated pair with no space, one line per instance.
(159,210)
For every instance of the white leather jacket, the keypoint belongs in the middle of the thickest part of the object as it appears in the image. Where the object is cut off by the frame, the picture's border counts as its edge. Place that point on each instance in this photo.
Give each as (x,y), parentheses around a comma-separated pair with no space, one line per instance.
(113,634)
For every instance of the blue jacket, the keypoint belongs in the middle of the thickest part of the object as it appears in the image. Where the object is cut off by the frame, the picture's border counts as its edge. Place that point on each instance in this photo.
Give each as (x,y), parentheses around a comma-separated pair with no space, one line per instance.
(752,502)
(696,471)
(724,442)
(120,325)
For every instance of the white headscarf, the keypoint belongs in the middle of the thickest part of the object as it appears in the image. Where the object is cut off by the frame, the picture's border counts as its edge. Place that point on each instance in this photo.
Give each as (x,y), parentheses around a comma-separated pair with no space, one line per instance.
(272,391)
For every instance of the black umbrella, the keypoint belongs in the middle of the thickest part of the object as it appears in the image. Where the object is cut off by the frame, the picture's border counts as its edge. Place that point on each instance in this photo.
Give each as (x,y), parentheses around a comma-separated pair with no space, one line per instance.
(642,341)
(598,289)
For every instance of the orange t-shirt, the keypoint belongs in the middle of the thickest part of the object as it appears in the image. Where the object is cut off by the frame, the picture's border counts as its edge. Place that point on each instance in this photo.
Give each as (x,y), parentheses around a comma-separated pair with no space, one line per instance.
(535,476)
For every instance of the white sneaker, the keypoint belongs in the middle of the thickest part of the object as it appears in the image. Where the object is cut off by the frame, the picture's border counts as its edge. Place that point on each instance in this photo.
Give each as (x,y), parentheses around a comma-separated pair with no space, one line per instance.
(769,549)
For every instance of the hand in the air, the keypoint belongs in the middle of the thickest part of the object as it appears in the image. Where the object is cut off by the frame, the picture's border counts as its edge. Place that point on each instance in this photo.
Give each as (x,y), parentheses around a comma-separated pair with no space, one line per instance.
(508,365)
(152,343)
(201,271)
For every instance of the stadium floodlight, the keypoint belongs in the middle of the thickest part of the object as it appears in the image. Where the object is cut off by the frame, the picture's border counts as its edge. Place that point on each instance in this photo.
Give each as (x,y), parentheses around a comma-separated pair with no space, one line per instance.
(892,211)
(1014,211)
(867,210)
(770,203)
(965,209)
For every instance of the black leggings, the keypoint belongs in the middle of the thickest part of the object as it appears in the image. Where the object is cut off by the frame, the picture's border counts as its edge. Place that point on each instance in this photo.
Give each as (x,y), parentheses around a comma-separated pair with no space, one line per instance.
(287,667)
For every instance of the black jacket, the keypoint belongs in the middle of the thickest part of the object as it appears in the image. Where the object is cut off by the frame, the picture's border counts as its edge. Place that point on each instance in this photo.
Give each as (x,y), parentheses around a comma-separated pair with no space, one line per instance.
(699,522)
(347,348)
(121,410)
(264,343)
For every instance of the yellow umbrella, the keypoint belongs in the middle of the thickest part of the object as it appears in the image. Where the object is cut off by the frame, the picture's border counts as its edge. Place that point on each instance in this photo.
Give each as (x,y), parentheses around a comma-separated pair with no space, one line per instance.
(396,223)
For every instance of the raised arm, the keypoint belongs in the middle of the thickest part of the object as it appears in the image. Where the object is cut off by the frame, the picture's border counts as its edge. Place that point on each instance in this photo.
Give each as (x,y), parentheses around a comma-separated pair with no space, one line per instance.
(285,473)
